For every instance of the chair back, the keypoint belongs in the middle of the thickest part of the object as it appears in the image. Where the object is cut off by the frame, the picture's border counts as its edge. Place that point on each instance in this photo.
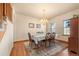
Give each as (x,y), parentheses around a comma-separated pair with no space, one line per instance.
(30,37)
(47,36)
(53,35)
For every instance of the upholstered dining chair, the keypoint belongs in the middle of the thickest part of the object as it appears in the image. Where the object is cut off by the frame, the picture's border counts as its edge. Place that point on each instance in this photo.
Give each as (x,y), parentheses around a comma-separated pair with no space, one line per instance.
(52,38)
(47,38)
(31,41)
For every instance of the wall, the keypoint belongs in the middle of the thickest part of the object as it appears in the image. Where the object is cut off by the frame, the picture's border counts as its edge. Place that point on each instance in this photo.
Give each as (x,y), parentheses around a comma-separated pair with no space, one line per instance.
(21,25)
(59,23)
(21,28)
(6,43)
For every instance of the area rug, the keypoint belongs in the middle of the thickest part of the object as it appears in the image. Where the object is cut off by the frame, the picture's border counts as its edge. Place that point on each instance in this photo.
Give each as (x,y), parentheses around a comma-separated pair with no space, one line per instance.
(49,51)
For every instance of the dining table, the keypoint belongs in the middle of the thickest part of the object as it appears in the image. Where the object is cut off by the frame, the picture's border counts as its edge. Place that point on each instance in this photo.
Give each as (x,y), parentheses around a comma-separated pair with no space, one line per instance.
(38,38)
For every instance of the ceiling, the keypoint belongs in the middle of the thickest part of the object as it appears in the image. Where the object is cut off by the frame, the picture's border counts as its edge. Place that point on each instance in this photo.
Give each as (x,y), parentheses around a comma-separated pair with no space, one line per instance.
(52,9)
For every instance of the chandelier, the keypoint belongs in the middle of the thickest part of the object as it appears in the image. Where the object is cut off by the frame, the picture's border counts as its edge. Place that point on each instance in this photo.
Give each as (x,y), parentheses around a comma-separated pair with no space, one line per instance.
(44,18)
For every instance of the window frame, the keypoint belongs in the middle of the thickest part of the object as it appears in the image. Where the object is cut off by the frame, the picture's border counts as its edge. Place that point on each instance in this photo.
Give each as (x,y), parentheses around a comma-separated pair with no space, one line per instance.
(66,29)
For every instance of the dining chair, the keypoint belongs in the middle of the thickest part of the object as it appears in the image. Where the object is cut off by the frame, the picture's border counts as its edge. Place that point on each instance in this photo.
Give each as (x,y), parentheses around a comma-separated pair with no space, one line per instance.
(52,38)
(31,41)
(46,41)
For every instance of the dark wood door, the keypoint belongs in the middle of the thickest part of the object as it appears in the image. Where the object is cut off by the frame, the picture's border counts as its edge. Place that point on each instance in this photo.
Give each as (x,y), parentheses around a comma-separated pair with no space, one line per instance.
(1,12)
(9,11)
(5,10)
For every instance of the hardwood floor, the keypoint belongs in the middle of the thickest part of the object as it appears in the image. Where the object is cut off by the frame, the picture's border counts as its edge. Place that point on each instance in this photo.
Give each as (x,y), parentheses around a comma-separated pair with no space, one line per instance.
(19,50)
(66,53)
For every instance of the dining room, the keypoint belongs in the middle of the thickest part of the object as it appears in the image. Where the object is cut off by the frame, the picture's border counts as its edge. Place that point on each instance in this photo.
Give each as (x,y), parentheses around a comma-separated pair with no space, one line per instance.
(41,28)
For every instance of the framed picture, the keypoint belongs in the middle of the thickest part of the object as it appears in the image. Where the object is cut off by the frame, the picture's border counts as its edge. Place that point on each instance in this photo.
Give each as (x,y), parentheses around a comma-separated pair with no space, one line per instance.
(31,25)
(38,25)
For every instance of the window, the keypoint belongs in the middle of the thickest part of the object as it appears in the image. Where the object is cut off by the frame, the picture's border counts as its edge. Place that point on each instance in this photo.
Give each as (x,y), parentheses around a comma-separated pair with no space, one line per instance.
(53,27)
(66,27)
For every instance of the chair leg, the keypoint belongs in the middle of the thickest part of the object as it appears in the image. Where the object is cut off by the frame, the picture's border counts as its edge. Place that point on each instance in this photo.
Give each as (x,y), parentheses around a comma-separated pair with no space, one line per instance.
(54,42)
(30,45)
(49,43)
(45,44)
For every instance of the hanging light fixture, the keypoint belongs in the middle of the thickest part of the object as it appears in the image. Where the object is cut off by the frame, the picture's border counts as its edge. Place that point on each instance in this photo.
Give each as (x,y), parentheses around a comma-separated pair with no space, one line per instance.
(44,18)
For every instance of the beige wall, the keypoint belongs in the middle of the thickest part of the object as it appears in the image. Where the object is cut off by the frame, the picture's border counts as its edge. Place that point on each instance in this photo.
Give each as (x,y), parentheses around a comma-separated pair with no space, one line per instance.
(21,26)
(59,22)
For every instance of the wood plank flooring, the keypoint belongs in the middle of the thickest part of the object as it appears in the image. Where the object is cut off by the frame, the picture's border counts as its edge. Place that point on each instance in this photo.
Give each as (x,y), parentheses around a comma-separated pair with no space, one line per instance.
(66,53)
(19,50)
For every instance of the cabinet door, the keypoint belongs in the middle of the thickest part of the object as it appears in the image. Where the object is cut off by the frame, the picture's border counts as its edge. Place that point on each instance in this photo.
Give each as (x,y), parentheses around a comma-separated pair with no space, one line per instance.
(74,27)
(1,11)
(74,40)
(9,11)
(73,44)
(78,36)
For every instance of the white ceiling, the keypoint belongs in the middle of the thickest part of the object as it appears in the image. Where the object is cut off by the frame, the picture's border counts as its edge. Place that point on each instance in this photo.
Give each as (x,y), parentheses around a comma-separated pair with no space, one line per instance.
(52,9)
